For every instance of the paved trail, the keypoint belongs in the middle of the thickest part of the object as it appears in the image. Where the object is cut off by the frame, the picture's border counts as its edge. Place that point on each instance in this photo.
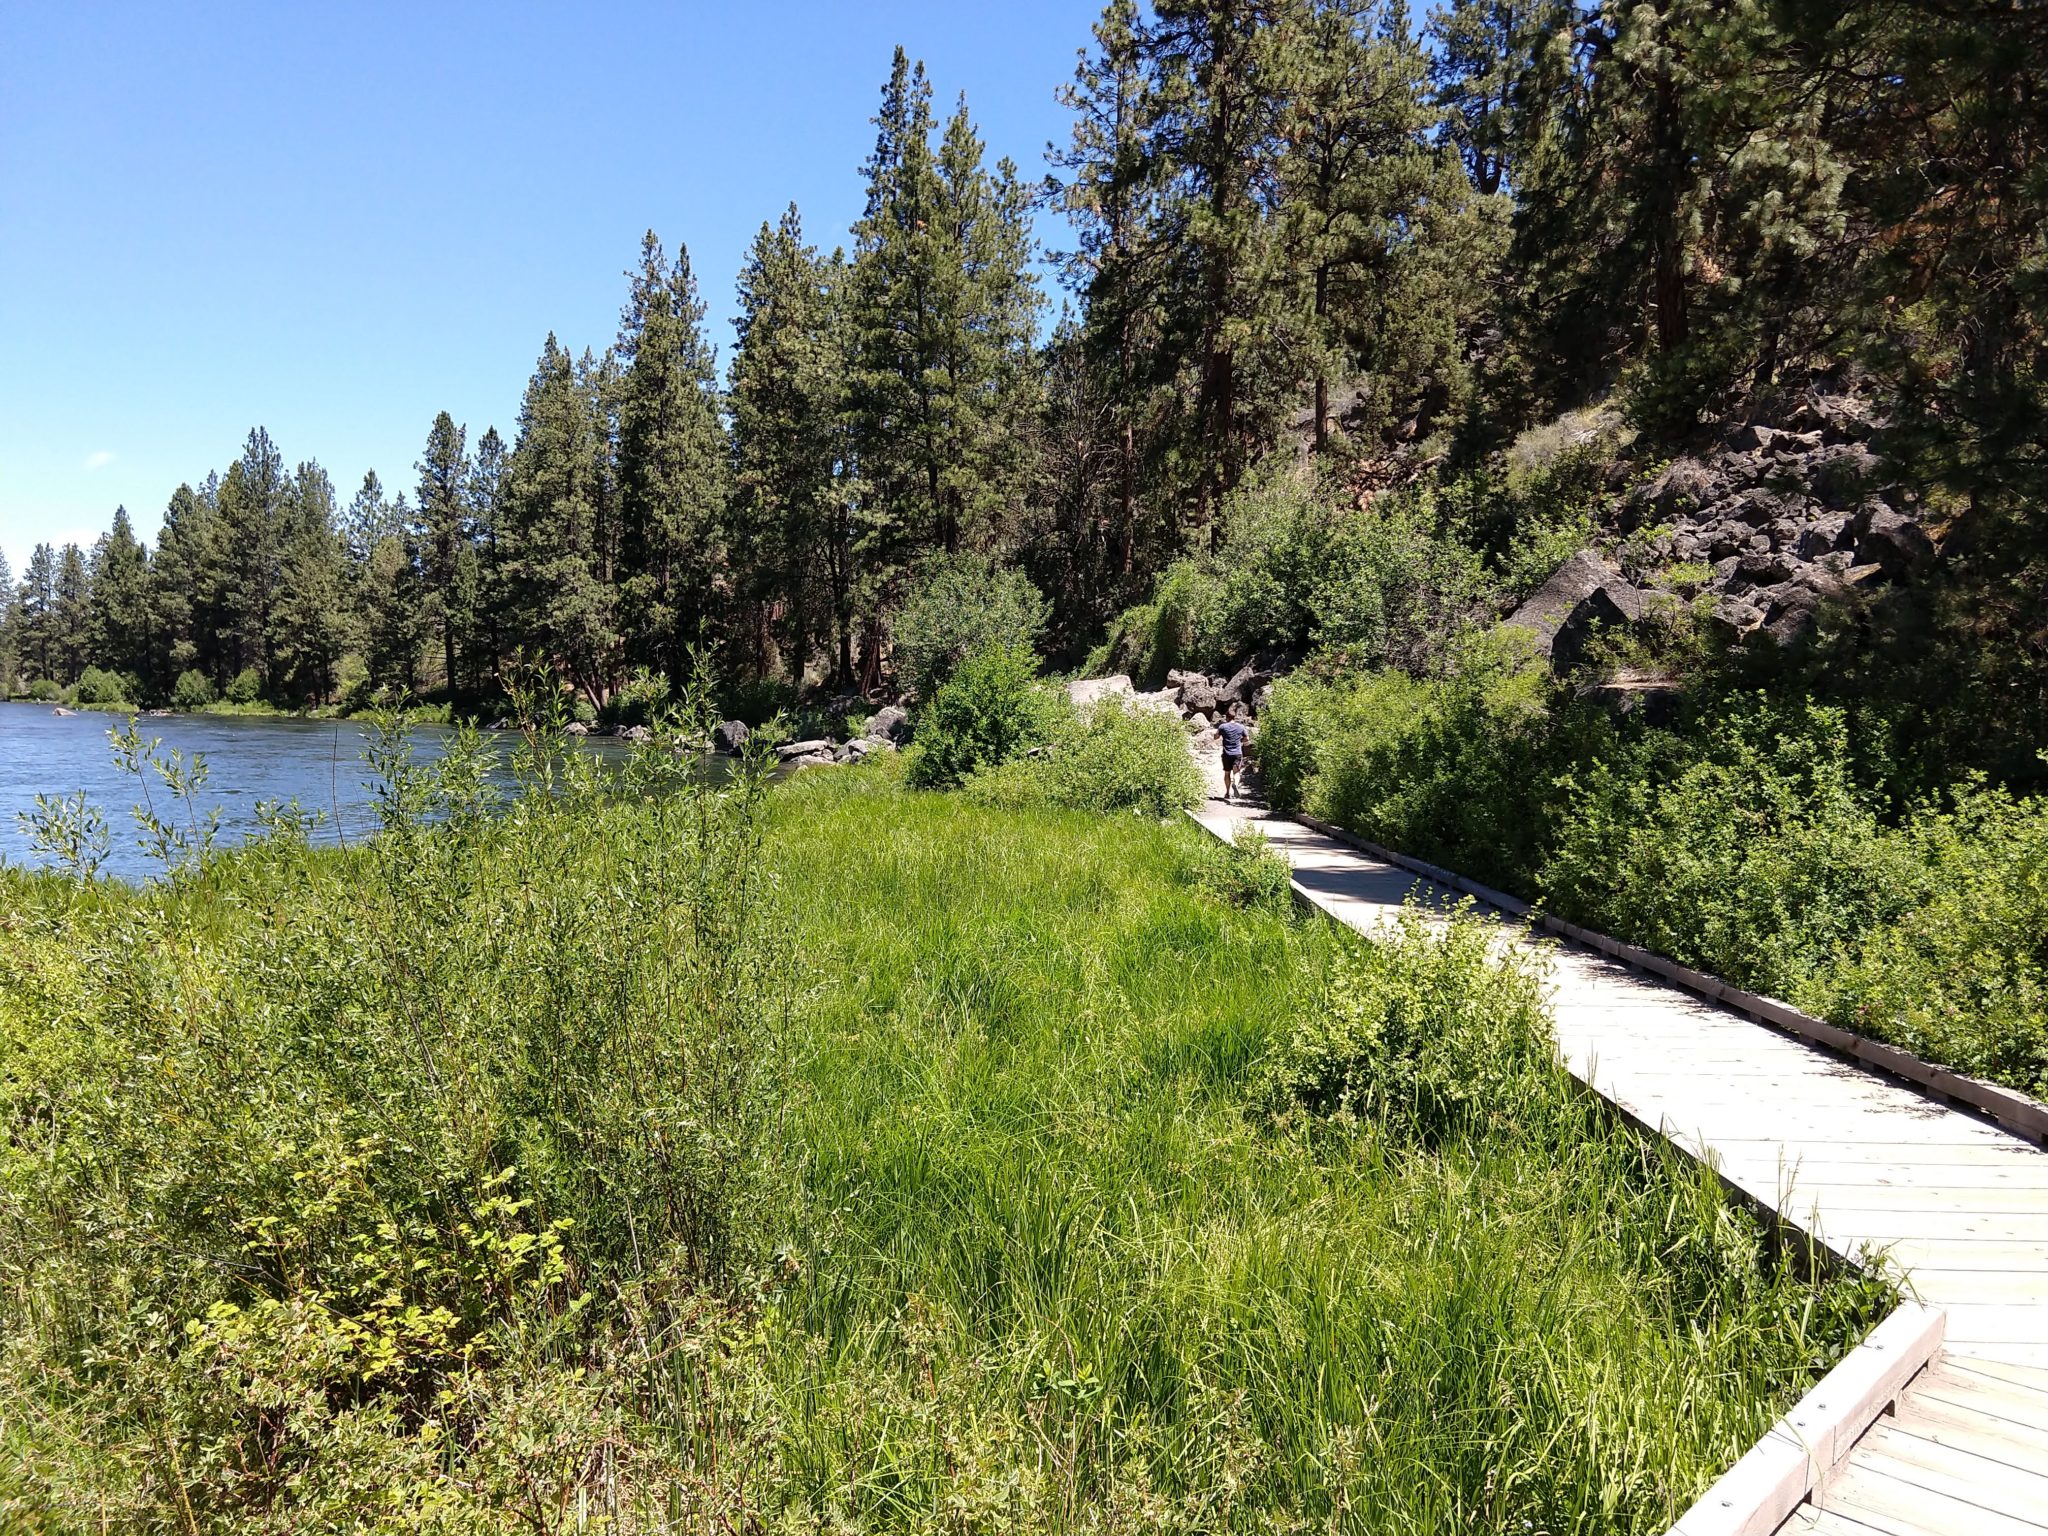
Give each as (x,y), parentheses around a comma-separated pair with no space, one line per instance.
(1867,1164)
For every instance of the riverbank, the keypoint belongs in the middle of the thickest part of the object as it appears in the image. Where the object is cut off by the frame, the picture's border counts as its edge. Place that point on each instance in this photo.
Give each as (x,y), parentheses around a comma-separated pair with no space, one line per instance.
(828,1152)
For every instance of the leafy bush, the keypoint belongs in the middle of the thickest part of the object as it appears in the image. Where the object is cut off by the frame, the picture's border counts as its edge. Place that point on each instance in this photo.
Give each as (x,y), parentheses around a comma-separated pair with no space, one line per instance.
(246,687)
(1431,1035)
(582,711)
(1113,758)
(639,700)
(960,605)
(1302,570)
(192,690)
(991,710)
(96,686)
(45,690)
(1248,873)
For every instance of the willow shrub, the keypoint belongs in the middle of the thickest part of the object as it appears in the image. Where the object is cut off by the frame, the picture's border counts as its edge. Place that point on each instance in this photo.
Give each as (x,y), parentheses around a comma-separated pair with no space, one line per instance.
(1108,757)
(333,1183)
(1752,841)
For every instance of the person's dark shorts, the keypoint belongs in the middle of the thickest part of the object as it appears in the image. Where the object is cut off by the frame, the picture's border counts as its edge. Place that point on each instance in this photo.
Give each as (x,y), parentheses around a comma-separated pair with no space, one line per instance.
(1232,759)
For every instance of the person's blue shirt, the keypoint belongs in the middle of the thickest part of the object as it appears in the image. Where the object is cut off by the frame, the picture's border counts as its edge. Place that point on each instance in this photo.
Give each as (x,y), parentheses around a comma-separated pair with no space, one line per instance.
(1235,734)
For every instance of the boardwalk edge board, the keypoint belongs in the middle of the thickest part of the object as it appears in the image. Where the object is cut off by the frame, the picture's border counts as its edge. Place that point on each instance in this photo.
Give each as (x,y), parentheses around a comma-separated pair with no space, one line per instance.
(2007,1107)
(1795,1458)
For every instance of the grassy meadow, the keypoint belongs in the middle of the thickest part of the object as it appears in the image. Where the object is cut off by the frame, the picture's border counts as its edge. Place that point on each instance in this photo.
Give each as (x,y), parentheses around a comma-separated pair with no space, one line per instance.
(828,1156)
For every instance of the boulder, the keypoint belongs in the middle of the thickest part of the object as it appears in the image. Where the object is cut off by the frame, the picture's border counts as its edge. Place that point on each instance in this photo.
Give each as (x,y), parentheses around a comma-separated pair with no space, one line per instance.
(1684,486)
(1823,536)
(1550,604)
(1198,694)
(1611,607)
(1764,569)
(1894,543)
(1654,701)
(635,733)
(575,728)
(891,724)
(791,750)
(1734,617)
(805,760)
(1245,683)
(1088,690)
(728,736)
(1162,702)
(1843,475)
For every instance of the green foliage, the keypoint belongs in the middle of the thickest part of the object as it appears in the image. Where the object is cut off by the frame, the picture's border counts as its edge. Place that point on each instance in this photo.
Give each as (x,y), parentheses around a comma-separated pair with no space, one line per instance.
(1430,1036)
(96,686)
(990,711)
(1299,571)
(374,1164)
(641,700)
(1753,841)
(245,687)
(193,690)
(45,690)
(1248,872)
(1110,759)
(958,605)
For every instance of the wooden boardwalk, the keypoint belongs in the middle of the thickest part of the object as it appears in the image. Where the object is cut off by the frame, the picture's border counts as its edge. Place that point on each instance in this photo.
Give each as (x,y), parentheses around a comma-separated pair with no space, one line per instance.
(1866,1164)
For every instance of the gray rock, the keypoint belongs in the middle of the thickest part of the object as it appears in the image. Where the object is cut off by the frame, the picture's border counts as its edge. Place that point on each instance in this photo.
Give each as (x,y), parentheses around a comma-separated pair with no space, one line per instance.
(1608,609)
(891,723)
(1546,609)
(635,733)
(1843,475)
(575,728)
(1262,698)
(1895,543)
(728,736)
(805,760)
(1088,690)
(1198,694)
(1823,536)
(1684,485)
(1244,684)
(1764,569)
(791,750)
(1733,617)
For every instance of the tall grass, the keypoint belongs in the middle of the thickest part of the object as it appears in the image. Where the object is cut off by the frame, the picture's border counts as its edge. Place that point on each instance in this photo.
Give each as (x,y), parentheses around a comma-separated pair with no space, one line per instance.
(654,1156)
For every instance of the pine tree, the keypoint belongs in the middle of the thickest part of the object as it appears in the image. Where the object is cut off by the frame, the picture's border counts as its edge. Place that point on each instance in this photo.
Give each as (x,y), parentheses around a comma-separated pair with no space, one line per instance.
(672,462)
(485,492)
(252,500)
(558,541)
(1111,194)
(10,640)
(310,621)
(71,615)
(183,616)
(443,538)
(120,632)
(36,617)
(793,532)
(940,314)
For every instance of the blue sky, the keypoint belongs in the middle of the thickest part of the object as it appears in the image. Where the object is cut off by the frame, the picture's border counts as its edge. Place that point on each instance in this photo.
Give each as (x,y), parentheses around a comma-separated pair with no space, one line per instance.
(337,220)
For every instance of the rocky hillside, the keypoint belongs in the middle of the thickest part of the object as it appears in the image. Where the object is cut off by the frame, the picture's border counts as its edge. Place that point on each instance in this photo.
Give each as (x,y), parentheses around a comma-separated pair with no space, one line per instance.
(1767,527)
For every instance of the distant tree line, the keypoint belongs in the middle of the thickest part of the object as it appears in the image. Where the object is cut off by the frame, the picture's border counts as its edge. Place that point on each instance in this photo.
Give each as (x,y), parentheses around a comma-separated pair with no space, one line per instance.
(1299,226)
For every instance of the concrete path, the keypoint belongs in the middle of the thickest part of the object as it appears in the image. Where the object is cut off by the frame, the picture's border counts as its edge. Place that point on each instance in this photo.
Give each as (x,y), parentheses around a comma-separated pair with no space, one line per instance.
(1865,1163)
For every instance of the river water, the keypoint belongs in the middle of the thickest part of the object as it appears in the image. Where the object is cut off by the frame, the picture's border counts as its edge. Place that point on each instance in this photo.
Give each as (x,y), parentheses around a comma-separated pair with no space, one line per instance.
(249,759)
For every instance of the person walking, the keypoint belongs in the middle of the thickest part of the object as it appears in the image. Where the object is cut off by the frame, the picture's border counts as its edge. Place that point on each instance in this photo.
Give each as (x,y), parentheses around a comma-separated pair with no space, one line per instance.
(1236,736)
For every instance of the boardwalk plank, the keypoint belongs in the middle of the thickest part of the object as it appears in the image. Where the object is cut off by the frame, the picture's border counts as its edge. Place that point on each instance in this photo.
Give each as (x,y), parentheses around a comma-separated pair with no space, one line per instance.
(1862,1160)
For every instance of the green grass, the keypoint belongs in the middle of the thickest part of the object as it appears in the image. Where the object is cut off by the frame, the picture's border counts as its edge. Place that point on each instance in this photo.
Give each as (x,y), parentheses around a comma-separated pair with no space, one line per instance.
(912,1168)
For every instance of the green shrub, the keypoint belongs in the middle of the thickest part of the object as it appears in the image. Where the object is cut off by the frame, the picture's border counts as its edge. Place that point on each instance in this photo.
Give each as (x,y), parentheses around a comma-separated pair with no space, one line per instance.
(582,711)
(1301,569)
(246,687)
(1113,758)
(1248,873)
(640,700)
(45,690)
(990,711)
(959,605)
(192,690)
(96,686)
(1431,1035)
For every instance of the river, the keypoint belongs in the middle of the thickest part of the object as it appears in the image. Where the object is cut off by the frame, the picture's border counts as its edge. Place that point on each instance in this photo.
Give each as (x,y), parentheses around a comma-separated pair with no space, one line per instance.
(249,759)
